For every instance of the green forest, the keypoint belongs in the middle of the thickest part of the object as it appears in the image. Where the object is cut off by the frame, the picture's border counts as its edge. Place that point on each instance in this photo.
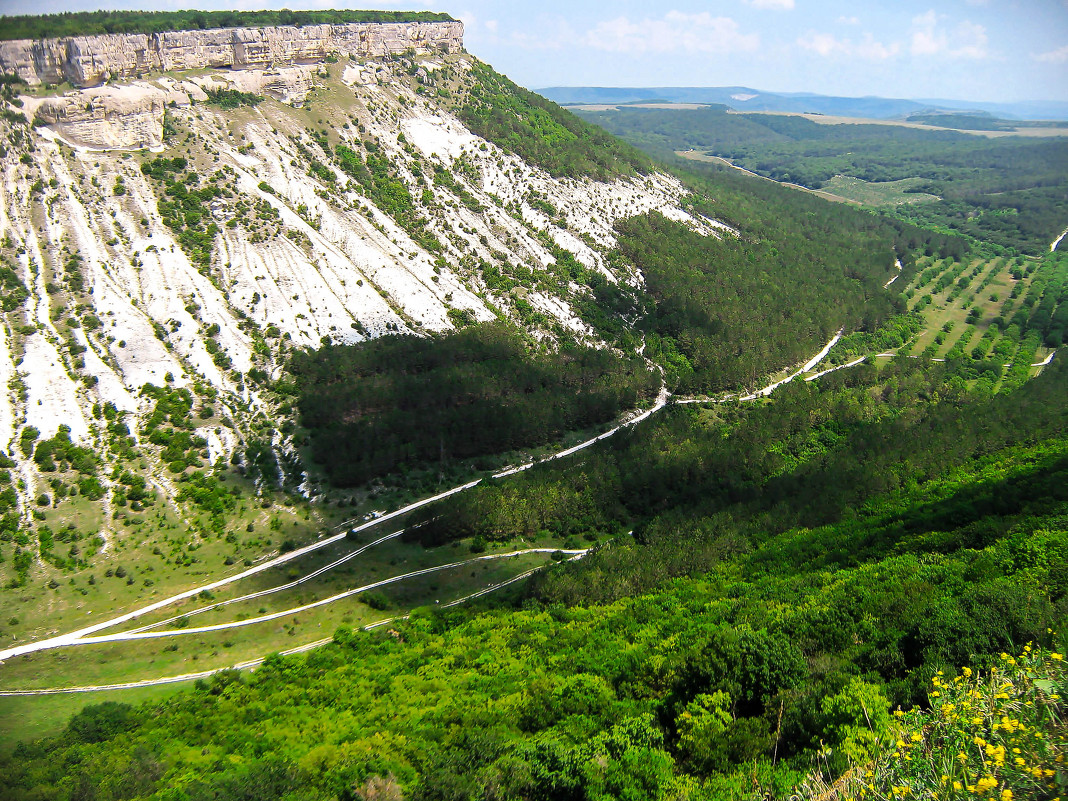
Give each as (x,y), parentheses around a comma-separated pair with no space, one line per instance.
(798,569)
(93,23)
(1009,192)
(400,401)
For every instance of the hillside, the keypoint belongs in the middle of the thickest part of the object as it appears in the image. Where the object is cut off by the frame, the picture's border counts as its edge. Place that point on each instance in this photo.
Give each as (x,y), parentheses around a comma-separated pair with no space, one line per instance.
(172,242)
(395,433)
(1007,192)
(748,616)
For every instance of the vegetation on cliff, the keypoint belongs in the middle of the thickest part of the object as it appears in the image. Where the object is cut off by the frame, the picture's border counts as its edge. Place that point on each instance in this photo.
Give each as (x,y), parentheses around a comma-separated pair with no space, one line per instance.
(540,132)
(93,23)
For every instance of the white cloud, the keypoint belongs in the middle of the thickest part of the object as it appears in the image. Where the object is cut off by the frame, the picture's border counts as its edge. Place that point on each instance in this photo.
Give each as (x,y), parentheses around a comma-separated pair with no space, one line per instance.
(693,33)
(1058,56)
(849,20)
(927,40)
(877,51)
(971,41)
(930,38)
(491,25)
(777,4)
(823,43)
(468,19)
(826,44)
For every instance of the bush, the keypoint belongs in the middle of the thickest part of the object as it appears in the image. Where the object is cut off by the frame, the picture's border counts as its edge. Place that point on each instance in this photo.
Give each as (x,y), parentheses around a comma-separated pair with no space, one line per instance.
(999,735)
(99,722)
(375,600)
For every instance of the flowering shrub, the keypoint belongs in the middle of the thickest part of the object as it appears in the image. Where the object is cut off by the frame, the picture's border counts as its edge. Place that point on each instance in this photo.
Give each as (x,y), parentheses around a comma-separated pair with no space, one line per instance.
(999,735)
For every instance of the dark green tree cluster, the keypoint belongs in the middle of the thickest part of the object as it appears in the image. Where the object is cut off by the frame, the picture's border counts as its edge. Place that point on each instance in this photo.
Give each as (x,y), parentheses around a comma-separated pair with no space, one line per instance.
(60,454)
(92,23)
(13,292)
(964,122)
(232,98)
(400,401)
(170,427)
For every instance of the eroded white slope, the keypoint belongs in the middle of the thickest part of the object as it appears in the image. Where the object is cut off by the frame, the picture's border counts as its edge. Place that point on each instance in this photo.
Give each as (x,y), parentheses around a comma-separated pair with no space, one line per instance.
(328,263)
(8,420)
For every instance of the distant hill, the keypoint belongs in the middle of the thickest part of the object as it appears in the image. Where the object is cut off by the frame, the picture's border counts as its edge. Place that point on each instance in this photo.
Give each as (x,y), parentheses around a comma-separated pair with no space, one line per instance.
(742,98)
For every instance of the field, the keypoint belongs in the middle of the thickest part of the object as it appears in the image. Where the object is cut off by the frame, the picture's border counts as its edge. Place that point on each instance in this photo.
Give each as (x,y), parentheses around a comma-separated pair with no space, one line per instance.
(843,188)
(292,619)
(985,314)
(1024,129)
(876,194)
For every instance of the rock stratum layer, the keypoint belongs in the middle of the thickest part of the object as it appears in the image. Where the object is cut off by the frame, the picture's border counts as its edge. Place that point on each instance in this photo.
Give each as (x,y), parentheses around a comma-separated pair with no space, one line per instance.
(92,60)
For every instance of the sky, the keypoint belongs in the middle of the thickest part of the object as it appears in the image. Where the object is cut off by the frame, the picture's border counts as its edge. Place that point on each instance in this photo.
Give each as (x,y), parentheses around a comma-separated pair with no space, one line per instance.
(982,50)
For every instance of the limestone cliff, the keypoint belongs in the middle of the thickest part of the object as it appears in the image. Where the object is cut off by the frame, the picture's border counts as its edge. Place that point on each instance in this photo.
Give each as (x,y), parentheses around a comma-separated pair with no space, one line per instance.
(110,117)
(92,60)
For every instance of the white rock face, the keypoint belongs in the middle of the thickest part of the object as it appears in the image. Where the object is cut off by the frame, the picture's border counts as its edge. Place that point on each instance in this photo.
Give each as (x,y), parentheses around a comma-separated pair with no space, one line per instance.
(92,60)
(299,250)
(109,116)
(286,84)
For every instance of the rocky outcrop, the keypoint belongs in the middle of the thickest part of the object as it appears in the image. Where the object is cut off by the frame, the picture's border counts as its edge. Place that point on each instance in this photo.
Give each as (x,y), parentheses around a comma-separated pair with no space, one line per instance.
(288,85)
(92,60)
(109,117)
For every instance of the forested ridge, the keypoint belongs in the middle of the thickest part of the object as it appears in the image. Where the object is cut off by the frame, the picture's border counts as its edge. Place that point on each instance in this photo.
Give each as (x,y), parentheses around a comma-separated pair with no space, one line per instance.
(542,133)
(92,23)
(1010,192)
(702,480)
(710,658)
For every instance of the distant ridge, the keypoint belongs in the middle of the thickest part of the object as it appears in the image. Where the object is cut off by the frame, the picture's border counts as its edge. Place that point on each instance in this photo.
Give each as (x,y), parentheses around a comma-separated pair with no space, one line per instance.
(743,98)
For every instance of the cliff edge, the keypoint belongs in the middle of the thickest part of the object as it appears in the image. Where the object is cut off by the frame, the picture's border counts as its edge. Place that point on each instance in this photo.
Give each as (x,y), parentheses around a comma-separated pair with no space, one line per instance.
(93,60)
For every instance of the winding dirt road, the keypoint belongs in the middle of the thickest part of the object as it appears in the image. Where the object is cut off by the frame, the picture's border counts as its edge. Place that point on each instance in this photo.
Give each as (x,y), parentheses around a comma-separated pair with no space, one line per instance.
(252,664)
(85,635)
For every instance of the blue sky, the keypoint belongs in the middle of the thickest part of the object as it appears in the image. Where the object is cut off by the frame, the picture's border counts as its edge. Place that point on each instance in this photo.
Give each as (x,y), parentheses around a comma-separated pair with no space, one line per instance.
(992,50)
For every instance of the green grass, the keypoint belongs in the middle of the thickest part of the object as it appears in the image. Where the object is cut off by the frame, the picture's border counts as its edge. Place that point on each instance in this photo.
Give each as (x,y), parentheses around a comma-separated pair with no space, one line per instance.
(24,718)
(883,193)
(107,663)
(115,662)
